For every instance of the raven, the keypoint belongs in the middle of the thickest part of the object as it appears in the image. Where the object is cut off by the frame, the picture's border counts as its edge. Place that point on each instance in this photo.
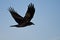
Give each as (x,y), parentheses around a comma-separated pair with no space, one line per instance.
(23,21)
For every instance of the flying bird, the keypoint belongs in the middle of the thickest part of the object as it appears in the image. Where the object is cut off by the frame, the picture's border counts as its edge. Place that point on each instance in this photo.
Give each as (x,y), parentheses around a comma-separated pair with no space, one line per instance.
(23,21)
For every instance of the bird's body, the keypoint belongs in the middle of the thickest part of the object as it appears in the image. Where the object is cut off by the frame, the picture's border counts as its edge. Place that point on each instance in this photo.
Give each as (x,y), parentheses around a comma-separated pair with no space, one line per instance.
(21,25)
(23,21)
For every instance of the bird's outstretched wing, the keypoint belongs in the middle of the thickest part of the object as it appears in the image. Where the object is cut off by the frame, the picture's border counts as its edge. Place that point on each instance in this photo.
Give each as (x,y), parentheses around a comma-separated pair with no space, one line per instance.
(30,12)
(15,15)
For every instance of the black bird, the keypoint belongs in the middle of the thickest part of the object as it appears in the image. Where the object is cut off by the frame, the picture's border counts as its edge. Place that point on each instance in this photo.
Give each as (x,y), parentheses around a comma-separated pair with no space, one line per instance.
(23,21)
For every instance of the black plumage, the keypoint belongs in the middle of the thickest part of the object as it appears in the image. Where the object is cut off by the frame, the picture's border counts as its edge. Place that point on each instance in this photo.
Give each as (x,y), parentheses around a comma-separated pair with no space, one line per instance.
(23,21)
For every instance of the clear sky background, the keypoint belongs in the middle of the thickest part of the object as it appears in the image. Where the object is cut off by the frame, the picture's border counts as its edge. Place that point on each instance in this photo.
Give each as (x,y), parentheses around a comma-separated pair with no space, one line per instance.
(46,20)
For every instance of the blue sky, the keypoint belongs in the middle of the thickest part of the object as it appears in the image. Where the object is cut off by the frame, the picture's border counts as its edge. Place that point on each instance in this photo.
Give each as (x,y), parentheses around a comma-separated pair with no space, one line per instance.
(46,20)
